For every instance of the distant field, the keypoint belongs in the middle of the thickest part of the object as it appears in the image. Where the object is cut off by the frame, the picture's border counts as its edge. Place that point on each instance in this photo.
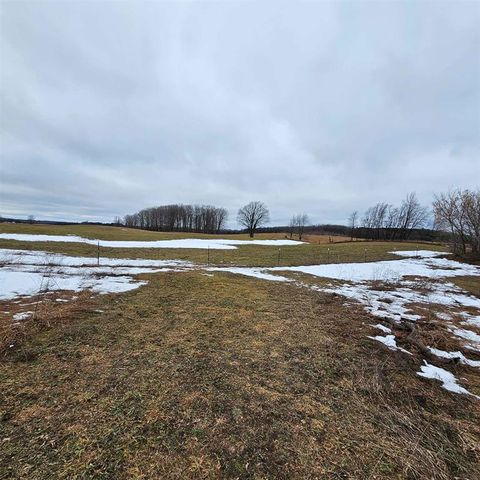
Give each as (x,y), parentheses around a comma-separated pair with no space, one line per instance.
(320,251)
(120,233)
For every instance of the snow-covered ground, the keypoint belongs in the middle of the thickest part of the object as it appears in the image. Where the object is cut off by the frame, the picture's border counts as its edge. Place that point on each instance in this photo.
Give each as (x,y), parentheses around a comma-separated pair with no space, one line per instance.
(27,272)
(195,243)
(426,265)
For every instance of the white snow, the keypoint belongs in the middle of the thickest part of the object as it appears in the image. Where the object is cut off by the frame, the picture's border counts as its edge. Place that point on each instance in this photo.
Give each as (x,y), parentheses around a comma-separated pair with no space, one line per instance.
(383,328)
(251,272)
(388,340)
(471,320)
(195,243)
(473,339)
(419,253)
(30,257)
(27,273)
(466,334)
(449,382)
(388,270)
(21,316)
(459,355)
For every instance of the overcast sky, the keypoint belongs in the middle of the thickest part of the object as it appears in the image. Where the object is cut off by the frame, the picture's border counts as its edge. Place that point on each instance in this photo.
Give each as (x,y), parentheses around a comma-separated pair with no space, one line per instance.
(110,107)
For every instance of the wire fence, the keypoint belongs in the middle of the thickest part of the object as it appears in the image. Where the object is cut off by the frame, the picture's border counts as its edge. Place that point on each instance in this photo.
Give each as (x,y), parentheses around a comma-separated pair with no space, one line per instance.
(271,256)
(292,256)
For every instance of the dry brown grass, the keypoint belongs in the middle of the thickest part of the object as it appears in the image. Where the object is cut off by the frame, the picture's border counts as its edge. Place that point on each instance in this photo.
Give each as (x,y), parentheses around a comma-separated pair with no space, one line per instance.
(44,312)
(321,239)
(227,377)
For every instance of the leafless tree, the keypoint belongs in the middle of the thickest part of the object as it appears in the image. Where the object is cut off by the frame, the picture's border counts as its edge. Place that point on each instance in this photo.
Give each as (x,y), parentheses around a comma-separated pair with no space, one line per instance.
(298,224)
(459,212)
(384,221)
(411,215)
(352,221)
(31,218)
(292,225)
(253,215)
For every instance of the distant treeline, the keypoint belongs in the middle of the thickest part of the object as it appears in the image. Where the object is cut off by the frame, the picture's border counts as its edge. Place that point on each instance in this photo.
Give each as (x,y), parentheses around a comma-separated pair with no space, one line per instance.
(178,218)
(33,221)
(420,234)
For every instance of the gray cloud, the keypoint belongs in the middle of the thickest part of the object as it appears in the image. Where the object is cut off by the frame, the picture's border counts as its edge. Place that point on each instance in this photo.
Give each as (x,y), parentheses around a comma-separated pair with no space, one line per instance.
(110,107)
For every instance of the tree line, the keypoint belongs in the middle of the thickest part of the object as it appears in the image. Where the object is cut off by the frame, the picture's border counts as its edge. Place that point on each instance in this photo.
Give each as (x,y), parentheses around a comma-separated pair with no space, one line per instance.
(456,218)
(384,221)
(178,218)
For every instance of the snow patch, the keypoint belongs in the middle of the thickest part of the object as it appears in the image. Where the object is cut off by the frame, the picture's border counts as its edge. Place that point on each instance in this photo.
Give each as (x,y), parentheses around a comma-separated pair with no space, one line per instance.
(18,317)
(454,355)
(195,243)
(419,253)
(449,382)
(28,273)
(383,328)
(390,342)
(251,272)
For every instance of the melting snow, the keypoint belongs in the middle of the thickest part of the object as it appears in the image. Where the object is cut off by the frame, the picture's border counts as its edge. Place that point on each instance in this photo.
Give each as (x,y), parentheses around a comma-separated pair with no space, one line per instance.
(458,355)
(383,328)
(419,253)
(449,382)
(472,338)
(388,270)
(393,297)
(251,272)
(390,342)
(214,243)
(471,320)
(21,316)
(28,273)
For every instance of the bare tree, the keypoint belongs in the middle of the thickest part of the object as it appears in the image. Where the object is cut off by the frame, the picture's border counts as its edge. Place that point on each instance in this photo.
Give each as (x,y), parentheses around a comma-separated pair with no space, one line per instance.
(252,216)
(31,218)
(302,221)
(459,212)
(292,225)
(384,221)
(352,221)
(411,216)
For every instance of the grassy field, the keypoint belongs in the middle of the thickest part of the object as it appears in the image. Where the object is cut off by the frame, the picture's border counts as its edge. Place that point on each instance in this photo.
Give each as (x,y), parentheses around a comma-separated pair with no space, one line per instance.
(249,255)
(195,376)
(221,376)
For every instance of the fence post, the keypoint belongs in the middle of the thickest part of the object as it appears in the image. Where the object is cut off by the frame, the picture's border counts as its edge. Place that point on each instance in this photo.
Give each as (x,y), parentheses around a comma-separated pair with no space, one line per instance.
(365,255)
(98,253)
(278,259)
(328,255)
(208,254)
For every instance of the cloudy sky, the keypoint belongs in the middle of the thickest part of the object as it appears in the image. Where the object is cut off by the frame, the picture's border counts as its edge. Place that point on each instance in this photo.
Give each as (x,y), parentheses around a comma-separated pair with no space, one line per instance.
(322,107)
